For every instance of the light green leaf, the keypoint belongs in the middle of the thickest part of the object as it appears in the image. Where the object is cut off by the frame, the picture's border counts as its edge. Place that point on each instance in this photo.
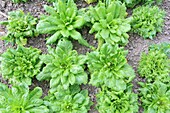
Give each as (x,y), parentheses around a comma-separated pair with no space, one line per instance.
(46,58)
(79,98)
(36,93)
(46,27)
(65,32)
(77,36)
(79,22)
(72,79)
(53,38)
(76,69)
(104,33)
(81,78)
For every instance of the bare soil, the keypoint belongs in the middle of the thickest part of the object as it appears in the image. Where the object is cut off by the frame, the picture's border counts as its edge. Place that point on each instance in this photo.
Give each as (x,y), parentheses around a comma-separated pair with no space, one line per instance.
(136,44)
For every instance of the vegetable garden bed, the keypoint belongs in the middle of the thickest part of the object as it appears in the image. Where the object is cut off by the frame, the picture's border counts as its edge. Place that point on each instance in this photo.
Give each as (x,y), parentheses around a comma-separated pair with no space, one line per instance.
(92,59)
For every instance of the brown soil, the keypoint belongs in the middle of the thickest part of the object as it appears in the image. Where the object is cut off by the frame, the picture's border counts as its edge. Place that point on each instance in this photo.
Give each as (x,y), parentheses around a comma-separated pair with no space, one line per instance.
(136,44)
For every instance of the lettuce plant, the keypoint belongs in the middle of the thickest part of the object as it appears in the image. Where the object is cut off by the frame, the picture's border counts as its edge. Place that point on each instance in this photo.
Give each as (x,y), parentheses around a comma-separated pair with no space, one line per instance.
(20,26)
(164,47)
(154,66)
(147,21)
(19,99)
(63,66)
(109,23)
(72,100)
(155,97)
(62,22)
(109,67)
(20,65)
(18,1)
(110,101)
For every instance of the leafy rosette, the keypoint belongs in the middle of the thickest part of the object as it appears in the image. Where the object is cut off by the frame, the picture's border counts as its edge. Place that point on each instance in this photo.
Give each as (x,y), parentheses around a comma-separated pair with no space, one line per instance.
(109,67)
(109,23)
(72,100)
(110,101)
(155,97)
(19,99)
(147,21)
(154,66)
(62,22)
(20,26)
(63,66)
(20,65)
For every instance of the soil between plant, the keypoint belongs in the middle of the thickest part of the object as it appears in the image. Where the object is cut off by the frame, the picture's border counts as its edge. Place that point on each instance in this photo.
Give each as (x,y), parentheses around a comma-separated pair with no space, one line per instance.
(136,44)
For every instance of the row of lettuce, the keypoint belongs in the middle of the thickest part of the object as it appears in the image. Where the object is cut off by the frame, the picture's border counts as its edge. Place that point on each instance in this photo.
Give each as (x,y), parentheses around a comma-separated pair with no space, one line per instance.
(155,68)
(107,20)
(66,69)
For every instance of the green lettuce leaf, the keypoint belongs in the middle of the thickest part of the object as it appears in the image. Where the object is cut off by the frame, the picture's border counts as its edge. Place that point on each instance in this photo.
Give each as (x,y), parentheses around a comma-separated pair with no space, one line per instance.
(72,100)
(147,21)
(155,97)
(154,66)
(63,66)
(20,26)
(19,99)
(63,22)
(20,65)
(109,23)
(108,67)
(110,101)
